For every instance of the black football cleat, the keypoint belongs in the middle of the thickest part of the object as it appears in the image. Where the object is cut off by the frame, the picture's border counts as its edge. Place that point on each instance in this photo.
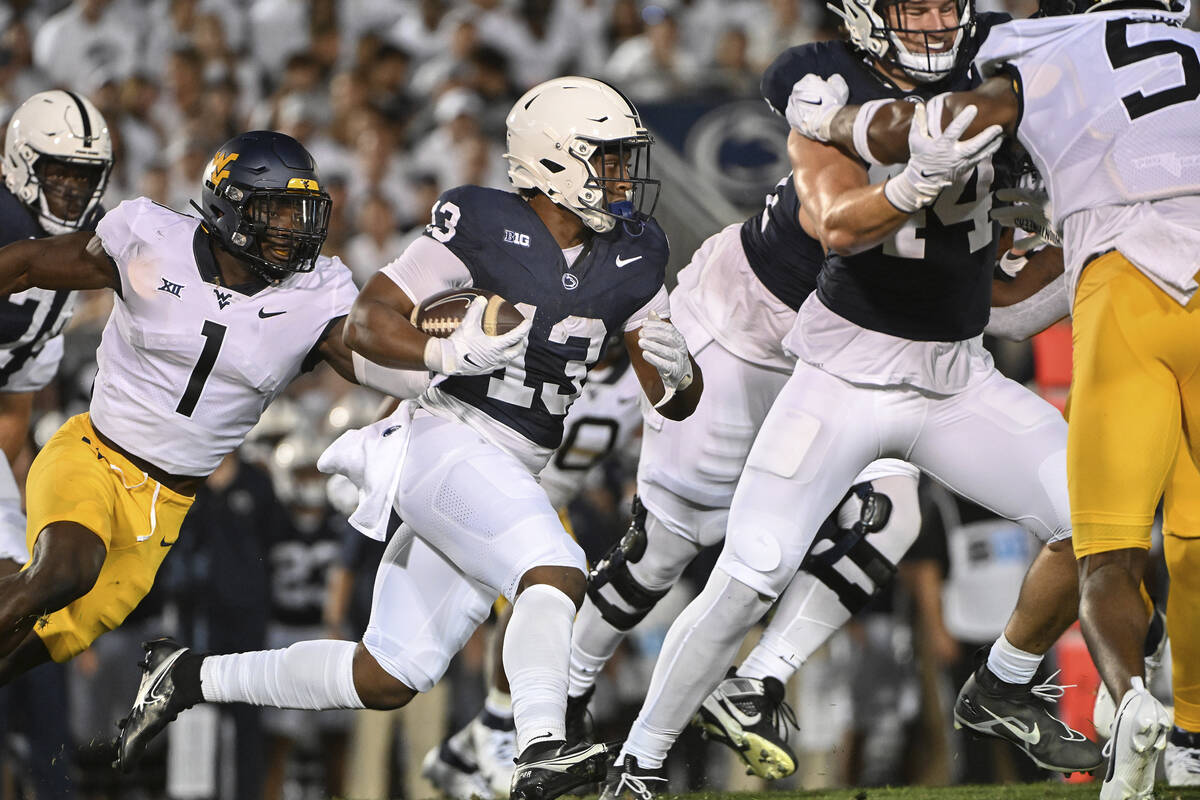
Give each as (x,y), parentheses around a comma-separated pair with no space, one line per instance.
(1019,714)
(751,717)
(155,705)
(579,721)
(628,781)
(545,771)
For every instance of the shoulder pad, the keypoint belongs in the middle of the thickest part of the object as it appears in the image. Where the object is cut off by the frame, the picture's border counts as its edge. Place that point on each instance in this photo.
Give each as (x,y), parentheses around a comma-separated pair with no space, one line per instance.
(135,221)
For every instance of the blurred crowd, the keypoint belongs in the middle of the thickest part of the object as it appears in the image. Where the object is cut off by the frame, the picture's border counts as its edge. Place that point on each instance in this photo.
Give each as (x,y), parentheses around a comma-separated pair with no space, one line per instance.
(399,100)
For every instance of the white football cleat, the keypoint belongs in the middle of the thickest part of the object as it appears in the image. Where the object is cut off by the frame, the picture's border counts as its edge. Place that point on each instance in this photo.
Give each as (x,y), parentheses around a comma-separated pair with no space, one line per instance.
(1104,709)
(1139,735)
(451,768)
(495,751)
(1183,758)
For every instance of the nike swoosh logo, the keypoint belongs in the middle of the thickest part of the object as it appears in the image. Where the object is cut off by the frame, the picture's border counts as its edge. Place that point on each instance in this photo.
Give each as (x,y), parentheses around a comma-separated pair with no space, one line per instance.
(165,543)
(621,262)
(927,175)
(151,695)
(1017,729)
(264,314)
(467,358)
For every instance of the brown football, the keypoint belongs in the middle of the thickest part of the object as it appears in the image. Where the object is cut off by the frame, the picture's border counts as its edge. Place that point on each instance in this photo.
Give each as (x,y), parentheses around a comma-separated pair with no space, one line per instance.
(440,314)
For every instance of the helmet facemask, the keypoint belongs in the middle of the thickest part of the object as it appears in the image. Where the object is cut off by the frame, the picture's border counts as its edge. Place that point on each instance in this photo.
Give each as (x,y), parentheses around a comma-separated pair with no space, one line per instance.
(68,190)
(877,29)
(281,233)
(612,165)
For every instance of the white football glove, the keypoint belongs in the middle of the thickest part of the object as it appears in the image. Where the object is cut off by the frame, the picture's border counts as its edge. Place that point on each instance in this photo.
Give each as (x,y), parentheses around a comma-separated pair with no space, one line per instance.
(813,104)
(1030,212)
(665,349)
(935,162)
(470,351)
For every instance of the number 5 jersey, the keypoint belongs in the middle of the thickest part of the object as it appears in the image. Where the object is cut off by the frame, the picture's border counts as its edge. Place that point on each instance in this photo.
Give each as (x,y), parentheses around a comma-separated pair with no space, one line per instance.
(1110,119)
(186,364)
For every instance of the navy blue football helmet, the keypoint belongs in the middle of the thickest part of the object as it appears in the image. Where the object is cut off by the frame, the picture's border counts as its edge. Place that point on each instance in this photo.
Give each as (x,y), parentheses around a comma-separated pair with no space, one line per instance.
(263,202)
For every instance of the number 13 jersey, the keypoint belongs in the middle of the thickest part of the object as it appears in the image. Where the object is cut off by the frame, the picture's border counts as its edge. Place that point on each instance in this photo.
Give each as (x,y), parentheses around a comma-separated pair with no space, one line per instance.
(493,240)
(186,365)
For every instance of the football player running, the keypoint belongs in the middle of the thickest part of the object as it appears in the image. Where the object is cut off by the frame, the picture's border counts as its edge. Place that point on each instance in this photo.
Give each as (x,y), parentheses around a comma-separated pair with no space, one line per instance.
(1112,137)
(57,158)
(890,364)
(213,318)
(577,252)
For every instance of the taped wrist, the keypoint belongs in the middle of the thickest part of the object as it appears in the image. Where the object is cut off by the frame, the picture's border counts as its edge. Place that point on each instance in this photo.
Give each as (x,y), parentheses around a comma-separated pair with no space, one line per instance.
(862,125)
(439,355)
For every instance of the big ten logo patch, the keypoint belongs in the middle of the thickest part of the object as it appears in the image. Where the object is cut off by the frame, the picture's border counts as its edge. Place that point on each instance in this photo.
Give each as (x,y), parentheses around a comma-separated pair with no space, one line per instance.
(512,237)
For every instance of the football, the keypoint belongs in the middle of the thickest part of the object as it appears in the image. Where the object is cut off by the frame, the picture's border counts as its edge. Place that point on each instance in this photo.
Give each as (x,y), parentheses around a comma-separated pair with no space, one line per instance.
(440,314)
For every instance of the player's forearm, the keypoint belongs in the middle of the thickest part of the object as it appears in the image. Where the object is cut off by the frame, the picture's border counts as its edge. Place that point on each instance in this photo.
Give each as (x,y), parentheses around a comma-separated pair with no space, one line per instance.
(859,220)
(16,261)
(685,400)
(69,261)
(380,333)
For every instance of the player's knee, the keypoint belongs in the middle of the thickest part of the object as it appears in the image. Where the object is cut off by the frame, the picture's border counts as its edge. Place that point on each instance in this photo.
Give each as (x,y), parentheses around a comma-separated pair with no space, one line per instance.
(570,581)
(376,688)
(629,581)
(66,561)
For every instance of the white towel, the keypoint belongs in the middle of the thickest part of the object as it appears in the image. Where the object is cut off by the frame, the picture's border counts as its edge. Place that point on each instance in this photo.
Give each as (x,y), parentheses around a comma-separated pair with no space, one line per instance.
(372,458)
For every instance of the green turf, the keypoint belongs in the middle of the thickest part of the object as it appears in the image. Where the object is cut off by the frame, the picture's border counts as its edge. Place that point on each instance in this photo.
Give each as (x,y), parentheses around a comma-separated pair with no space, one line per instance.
(1028,791)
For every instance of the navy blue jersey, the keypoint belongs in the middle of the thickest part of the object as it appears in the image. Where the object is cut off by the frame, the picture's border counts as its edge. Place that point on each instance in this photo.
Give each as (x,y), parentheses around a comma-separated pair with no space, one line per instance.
(932,280)
(300,564)
(508,250)
(30,318)
(783,257)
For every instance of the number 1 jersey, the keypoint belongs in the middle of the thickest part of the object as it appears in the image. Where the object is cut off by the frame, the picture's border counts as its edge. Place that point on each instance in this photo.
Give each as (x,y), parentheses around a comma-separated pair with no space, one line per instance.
(186,365)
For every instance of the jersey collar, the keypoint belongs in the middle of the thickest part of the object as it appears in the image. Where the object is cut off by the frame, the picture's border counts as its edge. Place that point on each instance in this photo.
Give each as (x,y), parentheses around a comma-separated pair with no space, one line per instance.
(210,272)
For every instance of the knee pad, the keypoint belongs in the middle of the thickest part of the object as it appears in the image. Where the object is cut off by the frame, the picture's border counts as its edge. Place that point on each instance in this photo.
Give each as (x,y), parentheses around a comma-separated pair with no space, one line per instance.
(839,554)
(626,602)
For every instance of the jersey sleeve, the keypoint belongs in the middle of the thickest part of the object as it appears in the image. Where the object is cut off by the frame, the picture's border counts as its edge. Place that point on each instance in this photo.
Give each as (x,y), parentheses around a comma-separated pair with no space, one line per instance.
(790,66)
(427,267)
(121,232)
(458,223)
(659,304)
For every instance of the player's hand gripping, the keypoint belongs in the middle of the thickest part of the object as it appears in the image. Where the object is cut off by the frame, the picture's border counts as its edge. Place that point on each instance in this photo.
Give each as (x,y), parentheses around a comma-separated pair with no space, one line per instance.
(665,349)
(1029,211)
(935,162)
(813,104)
(470,351)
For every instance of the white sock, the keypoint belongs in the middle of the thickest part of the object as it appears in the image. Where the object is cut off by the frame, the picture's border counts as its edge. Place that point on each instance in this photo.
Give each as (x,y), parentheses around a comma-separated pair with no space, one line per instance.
(698,649)
(498,704)
(593,642)
(1012,664)
(310,675)
(537,656)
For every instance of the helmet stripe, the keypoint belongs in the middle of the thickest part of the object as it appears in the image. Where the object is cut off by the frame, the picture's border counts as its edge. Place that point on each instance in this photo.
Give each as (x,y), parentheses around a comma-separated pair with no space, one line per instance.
(87,122)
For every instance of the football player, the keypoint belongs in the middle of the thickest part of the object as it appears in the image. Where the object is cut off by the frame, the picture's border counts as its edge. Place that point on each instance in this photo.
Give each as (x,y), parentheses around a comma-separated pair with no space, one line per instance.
(57,158)
(1110,136)
(890,363)
(577,252)
(213,317)
(478,759)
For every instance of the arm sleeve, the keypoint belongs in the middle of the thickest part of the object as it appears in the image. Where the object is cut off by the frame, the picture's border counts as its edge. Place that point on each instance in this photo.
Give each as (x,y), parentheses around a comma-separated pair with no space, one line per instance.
(658,304)
(1033,314)
(427,267)
(402,384)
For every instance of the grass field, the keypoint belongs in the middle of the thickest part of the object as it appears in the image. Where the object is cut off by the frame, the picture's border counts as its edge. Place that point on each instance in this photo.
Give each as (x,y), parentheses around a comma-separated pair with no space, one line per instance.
(1029,791)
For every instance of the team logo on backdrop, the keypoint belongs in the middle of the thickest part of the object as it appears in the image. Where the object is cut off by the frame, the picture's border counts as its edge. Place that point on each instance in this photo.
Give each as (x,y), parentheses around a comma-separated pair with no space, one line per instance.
(741,148)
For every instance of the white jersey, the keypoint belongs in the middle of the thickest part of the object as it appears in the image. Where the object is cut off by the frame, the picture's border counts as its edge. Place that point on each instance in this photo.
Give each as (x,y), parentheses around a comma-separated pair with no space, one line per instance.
(603,419)
(1110,118)
(186,366)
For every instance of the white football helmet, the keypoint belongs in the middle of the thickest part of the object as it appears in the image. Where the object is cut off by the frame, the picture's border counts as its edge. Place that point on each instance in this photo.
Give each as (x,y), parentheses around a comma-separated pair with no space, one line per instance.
(63,127)
(869,32)
(554,131)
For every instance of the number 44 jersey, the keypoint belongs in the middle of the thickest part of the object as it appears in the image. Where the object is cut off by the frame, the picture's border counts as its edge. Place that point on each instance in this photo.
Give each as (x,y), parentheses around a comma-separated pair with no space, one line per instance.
(187,365)
(497,242)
